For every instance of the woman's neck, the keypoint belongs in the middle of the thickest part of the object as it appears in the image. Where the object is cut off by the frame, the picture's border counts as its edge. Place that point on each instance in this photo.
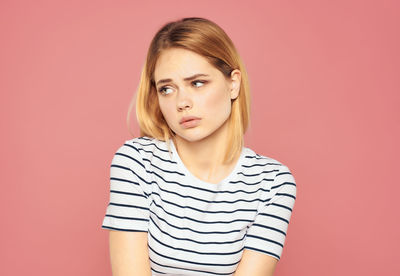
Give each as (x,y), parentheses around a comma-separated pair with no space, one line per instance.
(204,158)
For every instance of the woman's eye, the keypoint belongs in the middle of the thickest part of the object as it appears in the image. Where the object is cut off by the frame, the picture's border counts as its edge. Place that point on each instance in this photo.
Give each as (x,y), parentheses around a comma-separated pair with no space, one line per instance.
(165,90)
(198,83)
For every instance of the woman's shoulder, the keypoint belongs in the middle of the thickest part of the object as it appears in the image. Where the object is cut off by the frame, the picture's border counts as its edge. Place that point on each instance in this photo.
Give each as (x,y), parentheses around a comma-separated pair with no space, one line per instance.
(141,151)
(263,164)
(147,144)
(147,148)
(255,158)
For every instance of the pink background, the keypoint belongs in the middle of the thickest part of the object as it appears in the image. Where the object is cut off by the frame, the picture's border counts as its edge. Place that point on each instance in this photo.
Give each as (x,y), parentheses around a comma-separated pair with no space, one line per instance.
(325,90)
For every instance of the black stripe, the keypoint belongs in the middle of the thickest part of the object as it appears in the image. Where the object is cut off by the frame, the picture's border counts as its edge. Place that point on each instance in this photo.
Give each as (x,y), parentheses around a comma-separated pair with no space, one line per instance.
(256,174)
(261,165)
(167,170)
(259,157)
(129,206)
(146,138)
(273,216)
(255,183)
(284,183)
(269,227)
(119,217)
(123,180)
(284,194)
(282,206)
(126,193)
(265,239)
(120,229)
(120,167)
(278,174)
(156,271)
(256,157)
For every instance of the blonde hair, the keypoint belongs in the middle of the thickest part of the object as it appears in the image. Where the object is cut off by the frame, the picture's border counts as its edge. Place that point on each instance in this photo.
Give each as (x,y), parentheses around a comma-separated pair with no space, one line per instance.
(207,39)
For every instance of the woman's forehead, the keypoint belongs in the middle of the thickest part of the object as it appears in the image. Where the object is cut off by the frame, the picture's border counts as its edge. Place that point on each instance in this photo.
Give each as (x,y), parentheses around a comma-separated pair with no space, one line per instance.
(181,63)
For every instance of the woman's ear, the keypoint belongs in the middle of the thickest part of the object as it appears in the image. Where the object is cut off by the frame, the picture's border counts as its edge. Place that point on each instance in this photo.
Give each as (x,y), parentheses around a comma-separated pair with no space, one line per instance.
(235,83)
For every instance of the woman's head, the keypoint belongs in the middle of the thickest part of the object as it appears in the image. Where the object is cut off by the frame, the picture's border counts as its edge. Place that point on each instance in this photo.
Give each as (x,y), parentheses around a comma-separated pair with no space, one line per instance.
(206,40)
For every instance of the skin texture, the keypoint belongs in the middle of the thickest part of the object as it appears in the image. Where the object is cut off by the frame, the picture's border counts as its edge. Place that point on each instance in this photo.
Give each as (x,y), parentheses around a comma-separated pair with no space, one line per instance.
(129,254)
(256,264)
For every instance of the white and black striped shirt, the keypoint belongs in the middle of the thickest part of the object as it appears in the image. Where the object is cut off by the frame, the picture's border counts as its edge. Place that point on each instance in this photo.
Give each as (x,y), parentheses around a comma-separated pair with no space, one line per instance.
(195,227)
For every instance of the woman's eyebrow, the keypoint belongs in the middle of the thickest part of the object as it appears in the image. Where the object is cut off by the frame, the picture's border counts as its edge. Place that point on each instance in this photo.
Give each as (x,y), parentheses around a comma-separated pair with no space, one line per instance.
(185,79)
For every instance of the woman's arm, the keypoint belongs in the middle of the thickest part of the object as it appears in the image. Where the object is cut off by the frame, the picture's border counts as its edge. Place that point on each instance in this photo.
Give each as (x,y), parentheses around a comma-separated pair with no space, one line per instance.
(129,253)
(256,264)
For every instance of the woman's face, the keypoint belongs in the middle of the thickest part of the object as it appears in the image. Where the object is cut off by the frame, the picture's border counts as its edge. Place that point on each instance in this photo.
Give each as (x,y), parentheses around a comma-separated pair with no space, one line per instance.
(188,85)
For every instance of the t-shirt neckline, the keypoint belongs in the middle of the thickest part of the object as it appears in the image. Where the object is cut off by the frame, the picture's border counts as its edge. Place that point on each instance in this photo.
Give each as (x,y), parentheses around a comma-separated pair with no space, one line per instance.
(175,155)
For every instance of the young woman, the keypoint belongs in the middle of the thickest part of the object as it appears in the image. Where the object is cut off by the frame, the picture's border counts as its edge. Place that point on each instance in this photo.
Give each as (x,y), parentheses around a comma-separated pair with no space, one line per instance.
(186,197)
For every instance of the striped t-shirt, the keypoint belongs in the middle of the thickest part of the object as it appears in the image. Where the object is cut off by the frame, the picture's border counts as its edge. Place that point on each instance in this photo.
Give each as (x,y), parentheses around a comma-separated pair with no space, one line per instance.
(195,227)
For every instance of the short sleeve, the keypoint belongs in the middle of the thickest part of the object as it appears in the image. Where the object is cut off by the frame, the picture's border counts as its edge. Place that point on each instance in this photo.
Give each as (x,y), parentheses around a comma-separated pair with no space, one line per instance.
(128,208)
(267,233)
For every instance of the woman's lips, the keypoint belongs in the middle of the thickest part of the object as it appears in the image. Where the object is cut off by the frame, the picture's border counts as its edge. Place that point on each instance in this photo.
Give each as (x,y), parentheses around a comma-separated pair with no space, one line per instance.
(188,118)
(190,123)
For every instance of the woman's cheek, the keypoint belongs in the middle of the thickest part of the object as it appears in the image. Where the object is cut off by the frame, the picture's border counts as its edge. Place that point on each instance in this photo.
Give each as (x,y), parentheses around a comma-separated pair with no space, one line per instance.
(166,110)
(217,102)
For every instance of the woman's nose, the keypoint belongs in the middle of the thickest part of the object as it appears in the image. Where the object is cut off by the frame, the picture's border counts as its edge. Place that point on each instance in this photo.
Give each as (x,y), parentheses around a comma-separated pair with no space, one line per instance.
(183,100)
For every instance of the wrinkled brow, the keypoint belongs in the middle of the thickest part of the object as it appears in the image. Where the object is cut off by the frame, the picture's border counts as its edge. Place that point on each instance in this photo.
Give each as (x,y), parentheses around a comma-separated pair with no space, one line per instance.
(185,79)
